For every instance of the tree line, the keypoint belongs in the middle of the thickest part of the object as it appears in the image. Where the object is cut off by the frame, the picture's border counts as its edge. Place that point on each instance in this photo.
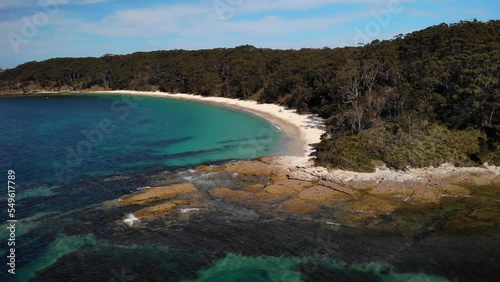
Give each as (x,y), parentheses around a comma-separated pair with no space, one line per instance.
(420,99)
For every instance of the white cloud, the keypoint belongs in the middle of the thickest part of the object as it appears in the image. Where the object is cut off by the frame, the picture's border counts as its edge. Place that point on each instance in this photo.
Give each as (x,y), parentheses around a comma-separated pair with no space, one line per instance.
(201,21)
(4,4)
(422,13)
(144,22)
(243,6)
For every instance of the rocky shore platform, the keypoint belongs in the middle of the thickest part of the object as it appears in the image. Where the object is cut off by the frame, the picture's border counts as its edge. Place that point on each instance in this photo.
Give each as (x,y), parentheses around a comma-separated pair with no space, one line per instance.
(270,187)
(442,222)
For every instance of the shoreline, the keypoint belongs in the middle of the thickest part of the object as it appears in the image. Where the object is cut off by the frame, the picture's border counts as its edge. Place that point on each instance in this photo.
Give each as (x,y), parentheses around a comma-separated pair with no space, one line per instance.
(300,150)
(309,127)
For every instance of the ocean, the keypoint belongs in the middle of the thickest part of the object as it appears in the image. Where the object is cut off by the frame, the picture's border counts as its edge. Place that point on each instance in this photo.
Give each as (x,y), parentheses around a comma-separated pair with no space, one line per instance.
(60,146)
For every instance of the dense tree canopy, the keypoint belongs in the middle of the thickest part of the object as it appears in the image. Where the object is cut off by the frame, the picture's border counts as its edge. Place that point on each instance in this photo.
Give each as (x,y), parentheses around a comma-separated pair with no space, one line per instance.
(425,98)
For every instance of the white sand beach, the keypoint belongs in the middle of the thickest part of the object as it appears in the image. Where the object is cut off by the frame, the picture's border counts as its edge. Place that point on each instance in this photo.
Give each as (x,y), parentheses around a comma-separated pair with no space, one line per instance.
(304,131)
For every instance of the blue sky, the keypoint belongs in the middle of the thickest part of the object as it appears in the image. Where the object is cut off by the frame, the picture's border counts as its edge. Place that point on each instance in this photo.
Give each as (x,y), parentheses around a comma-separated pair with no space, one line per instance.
(43,29)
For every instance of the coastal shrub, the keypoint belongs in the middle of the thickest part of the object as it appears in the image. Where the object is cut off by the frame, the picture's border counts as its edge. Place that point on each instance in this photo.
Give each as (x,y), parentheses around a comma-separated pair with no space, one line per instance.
(430,146)
(434,146)
(492,157)
(346,152)
(490,147)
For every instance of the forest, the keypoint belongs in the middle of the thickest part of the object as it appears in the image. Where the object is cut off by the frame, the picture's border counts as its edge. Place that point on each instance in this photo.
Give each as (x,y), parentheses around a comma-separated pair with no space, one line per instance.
(420,99)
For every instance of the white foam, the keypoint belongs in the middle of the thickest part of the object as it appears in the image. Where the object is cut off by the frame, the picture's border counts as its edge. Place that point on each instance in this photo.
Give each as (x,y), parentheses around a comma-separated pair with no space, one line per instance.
(130,219)
(143,188)
(187,171)
(188,210)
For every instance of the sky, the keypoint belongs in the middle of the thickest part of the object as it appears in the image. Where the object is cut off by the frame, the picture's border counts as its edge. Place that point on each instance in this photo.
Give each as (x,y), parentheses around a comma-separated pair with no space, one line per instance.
(36,30)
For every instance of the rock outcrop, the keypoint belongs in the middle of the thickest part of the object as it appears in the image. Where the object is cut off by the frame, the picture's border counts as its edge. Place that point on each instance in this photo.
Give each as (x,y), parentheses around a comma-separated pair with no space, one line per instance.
(157,193)
(159,210)
(275,188)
